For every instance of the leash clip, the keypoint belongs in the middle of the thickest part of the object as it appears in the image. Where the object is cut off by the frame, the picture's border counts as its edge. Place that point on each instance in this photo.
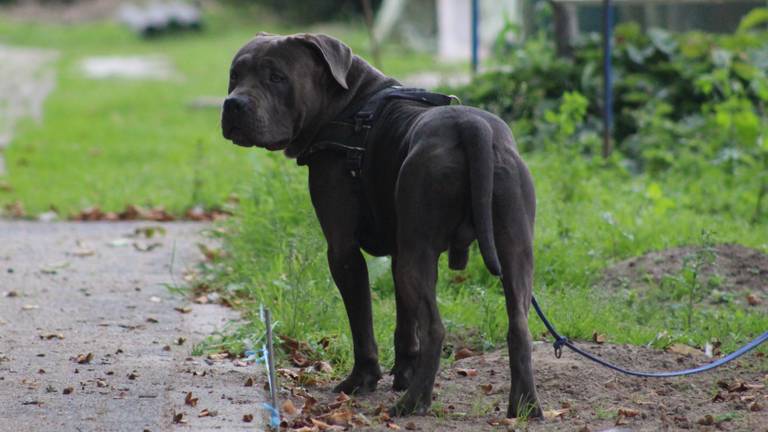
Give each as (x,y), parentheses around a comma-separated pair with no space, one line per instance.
(558,345)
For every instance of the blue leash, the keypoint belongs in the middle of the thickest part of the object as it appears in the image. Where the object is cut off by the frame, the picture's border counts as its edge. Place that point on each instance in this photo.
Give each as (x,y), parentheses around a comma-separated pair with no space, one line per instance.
(561,341)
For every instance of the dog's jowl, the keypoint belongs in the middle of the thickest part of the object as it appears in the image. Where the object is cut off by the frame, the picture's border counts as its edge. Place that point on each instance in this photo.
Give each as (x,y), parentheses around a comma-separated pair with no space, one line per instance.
(399,172)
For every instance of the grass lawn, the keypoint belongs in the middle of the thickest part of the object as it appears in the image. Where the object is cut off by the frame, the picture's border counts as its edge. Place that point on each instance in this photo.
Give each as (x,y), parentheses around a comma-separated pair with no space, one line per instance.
(275,255)
(114,142)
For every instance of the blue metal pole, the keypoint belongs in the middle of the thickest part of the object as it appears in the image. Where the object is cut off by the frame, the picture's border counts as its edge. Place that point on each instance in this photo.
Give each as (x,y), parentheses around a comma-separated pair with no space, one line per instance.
(607,78)
(475,37)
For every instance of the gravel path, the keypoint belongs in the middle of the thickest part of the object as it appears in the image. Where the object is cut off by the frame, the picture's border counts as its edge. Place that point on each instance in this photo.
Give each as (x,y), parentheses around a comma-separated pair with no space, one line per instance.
(68,290)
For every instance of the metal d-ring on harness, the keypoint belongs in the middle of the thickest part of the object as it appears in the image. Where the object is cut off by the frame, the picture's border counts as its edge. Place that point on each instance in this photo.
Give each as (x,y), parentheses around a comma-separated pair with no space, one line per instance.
(561,341)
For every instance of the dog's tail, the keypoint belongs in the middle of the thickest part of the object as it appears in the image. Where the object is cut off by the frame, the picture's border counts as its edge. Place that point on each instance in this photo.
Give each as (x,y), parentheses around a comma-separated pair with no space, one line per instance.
(477,139)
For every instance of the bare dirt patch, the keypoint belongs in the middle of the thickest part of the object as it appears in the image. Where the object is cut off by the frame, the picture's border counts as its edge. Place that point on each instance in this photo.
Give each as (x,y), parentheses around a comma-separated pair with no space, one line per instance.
(575,394)
(735,273)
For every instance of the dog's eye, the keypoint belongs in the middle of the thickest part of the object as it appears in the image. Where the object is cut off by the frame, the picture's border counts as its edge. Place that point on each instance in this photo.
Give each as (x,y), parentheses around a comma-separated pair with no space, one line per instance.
(233,75)
(276,78)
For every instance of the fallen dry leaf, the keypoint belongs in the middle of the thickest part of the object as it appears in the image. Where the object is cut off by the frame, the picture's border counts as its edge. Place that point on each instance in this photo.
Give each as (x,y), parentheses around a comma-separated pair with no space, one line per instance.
(555,413)
(183,309)
(189,400)
(82,358)
(249,382)
(288,408)
(218,356)
(411,425)
(707,420)
(146,247)
(464,353)
(393,426)
(598,338)
(68,390)
(248,418)
(203,299)
(486,388)
(178,418)
(15,210)
(683,350)
(208,413)
(466,372)
(322,366)
(628,412)
(753,300)
(49,336)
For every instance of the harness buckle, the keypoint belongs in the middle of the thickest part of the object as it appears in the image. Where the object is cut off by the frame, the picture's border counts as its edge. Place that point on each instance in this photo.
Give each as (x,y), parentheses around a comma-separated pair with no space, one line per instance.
(354,162)
(362,120)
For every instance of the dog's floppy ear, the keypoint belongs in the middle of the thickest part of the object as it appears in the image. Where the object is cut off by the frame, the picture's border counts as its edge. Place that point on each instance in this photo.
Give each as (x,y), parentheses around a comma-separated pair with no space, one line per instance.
(337,56)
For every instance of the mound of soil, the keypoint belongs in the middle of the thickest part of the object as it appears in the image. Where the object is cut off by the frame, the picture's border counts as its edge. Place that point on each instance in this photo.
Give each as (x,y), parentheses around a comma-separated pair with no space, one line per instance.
(741,271)
(471,394)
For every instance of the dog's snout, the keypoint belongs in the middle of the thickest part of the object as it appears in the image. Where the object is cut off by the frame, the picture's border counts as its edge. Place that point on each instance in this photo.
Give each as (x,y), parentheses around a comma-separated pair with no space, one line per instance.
(234,104)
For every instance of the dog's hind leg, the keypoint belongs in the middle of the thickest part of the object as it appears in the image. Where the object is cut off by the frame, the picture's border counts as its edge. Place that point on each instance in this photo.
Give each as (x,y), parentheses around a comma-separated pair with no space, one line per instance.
(514,212)
(430,201)
(415,278)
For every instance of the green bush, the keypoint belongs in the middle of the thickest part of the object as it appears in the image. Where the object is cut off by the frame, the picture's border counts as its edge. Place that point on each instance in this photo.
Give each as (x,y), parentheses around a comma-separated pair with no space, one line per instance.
(670,83)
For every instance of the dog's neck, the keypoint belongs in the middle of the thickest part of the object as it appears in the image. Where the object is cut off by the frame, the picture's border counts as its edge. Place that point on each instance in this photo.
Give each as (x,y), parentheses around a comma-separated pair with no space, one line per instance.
(363,81)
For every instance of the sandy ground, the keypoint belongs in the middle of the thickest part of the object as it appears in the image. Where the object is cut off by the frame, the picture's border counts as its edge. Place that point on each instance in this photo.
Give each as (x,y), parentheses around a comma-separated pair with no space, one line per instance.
(68,290)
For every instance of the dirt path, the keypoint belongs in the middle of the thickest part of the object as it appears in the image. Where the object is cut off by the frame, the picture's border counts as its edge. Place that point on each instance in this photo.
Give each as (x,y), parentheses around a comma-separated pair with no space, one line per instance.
(68,290)
(577,395)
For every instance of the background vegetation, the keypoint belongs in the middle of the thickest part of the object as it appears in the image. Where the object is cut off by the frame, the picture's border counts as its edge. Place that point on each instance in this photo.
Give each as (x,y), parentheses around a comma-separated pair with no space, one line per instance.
(689,170)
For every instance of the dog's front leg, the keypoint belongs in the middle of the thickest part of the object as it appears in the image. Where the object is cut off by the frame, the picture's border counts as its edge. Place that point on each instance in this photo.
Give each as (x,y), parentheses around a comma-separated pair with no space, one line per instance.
(351,276)
(337,207)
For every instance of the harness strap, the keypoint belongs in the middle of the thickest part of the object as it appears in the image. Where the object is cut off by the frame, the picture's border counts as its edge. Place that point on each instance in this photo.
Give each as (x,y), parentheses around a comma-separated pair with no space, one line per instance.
(349,133)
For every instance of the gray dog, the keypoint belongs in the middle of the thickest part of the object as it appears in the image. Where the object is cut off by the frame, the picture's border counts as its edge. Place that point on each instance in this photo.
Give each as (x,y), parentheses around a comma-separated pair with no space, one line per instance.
(410,178)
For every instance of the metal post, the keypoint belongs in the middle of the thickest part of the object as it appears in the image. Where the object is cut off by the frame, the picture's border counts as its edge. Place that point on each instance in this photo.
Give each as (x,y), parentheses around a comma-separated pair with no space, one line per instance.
(475,37)
(270,359)
(607,78)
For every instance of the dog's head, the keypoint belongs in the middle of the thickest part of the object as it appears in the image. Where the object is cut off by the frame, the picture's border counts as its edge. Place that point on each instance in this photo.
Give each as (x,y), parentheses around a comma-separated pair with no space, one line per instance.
(278,85)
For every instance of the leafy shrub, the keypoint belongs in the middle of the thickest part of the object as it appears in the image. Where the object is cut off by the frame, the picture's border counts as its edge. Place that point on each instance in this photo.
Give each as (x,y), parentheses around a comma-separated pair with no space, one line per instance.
(659,78)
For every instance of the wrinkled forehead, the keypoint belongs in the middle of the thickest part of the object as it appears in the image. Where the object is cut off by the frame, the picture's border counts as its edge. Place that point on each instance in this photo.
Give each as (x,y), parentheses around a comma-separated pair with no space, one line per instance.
(266,49)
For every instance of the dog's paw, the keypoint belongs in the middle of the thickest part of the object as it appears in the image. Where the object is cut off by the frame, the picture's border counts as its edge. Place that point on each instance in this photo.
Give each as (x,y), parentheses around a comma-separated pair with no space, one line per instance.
(358,383)
(408,405)
(402,377)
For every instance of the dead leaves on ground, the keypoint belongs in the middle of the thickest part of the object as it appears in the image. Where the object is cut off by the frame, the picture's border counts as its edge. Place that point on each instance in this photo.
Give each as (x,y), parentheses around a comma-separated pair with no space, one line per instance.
(313,416)
(135,212)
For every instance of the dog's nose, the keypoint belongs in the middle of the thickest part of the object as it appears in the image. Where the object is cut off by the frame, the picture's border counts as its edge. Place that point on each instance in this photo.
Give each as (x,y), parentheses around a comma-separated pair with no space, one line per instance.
(234,104)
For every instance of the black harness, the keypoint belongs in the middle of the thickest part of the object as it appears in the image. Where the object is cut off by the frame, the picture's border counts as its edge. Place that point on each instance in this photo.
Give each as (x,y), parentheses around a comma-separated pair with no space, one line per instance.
(349,133)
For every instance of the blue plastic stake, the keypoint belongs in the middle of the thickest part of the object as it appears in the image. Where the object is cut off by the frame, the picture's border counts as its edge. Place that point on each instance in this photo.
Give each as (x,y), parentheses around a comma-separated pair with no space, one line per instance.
(607,78)
(475,36)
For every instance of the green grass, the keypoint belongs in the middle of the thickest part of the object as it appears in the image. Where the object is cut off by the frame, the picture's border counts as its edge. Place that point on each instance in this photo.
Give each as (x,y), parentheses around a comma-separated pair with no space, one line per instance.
(113,142)
(276,256)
